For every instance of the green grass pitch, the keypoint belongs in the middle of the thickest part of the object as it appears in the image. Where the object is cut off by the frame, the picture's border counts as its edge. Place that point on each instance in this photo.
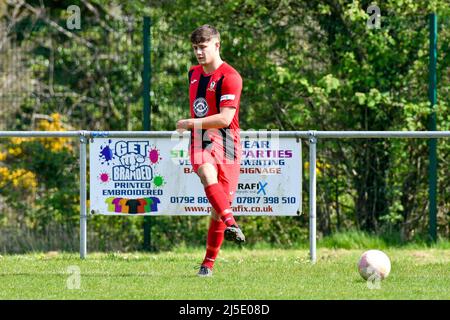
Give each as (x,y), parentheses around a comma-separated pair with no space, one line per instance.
(239,274)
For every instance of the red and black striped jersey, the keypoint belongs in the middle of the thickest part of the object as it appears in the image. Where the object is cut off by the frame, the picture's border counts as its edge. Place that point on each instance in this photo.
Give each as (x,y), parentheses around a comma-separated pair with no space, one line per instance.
(208,93)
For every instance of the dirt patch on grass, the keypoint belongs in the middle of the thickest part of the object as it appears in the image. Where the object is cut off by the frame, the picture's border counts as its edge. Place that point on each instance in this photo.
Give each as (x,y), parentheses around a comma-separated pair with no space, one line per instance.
(332,254)
(429,256)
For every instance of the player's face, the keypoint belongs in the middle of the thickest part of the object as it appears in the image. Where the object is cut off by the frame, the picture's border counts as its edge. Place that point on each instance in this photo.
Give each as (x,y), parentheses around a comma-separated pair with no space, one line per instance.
(206,52)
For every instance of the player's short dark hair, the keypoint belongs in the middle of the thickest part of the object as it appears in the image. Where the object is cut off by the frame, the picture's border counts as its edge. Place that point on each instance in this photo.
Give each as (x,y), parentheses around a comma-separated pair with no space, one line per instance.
(204,34)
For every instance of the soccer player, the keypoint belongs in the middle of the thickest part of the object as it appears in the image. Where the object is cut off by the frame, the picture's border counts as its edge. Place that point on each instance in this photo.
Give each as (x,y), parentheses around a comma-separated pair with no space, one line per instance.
(215,149)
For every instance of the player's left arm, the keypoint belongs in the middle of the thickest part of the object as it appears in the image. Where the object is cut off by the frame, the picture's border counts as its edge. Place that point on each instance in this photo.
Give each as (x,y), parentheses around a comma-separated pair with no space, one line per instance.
(229,100)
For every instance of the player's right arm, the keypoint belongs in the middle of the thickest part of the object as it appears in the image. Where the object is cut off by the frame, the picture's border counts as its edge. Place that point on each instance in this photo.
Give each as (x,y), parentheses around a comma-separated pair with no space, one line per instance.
(216,121)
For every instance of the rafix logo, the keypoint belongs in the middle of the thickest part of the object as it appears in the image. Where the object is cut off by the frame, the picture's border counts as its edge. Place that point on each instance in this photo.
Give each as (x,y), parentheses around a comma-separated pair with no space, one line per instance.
(258,187)
(132,157)
(261,187)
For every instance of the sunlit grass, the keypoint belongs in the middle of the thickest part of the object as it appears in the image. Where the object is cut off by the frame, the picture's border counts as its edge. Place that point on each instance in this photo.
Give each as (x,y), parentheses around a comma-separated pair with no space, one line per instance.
(239,274)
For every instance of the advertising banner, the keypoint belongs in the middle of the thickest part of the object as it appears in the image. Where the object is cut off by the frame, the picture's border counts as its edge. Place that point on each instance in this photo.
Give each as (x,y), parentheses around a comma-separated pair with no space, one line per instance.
(140,176)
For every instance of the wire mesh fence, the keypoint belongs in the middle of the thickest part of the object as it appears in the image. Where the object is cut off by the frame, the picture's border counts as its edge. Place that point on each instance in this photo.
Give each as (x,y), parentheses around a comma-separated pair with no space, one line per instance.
(47,68)
(56,78)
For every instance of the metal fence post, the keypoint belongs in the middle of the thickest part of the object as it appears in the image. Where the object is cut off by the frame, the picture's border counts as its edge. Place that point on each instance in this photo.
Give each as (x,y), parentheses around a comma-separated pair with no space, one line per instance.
(432,143)
(312,196)
(146,121)
(83,215)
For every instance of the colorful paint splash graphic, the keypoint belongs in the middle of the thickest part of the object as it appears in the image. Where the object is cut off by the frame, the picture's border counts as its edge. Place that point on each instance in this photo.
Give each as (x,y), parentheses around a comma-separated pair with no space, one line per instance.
(154,156)
(106,153)
(159,181)
(104,177)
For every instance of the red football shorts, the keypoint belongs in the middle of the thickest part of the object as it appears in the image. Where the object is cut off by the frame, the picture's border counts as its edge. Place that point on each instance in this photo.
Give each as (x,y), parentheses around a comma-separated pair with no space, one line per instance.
(227,170)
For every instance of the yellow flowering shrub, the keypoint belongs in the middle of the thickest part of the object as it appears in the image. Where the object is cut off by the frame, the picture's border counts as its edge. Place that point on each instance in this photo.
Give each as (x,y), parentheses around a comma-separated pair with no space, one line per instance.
(19,178)
(51,144)
(54,144)
(319,166)
(17,149)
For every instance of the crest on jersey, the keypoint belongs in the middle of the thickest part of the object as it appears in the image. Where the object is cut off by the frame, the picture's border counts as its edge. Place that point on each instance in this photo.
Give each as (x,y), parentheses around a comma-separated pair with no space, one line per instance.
(200,107)
(211,86)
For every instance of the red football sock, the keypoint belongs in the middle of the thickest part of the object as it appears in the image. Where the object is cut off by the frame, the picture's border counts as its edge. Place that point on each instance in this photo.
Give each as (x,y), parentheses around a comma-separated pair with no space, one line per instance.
(219,200)
(214,241)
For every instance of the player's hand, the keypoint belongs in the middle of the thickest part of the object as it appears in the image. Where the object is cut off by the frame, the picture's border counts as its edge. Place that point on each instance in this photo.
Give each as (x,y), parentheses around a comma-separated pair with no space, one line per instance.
(182,125)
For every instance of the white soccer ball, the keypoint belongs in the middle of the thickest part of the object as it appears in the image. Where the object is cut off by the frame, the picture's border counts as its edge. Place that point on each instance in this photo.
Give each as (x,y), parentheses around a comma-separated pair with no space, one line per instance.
(374,264)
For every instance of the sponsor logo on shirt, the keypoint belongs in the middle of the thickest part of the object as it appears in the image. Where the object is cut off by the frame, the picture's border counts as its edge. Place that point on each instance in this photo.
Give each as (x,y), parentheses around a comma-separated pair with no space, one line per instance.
(200,107)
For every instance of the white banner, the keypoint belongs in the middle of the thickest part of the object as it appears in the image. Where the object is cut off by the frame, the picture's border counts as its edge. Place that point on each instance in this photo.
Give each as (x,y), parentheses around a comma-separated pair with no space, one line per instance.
(133,176)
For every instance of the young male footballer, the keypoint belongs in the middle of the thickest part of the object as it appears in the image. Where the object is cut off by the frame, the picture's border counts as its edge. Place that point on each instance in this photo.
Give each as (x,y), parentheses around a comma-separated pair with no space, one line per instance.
(215,149)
